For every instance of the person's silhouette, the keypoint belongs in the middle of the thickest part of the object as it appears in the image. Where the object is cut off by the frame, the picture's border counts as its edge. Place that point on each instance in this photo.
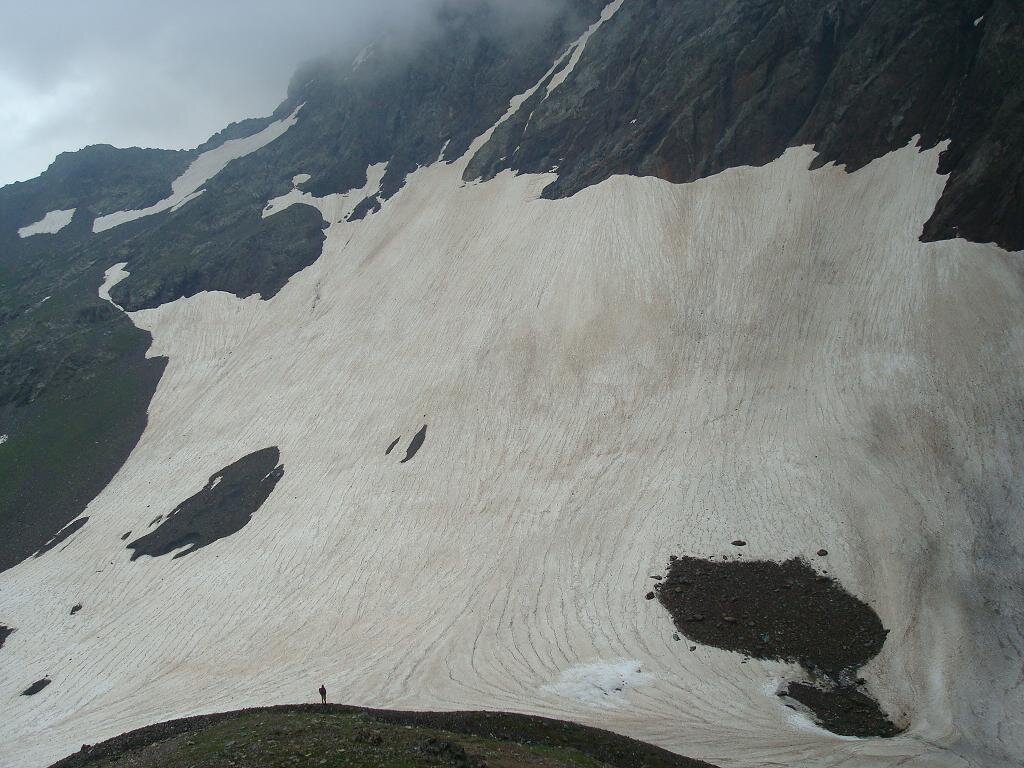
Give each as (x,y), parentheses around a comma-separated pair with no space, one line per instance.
(323,695)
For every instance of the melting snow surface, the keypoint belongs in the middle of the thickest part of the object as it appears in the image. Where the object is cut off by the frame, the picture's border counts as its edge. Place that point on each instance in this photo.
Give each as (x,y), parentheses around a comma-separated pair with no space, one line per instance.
(50,224)
(601,684)
(112,277)
(203,168)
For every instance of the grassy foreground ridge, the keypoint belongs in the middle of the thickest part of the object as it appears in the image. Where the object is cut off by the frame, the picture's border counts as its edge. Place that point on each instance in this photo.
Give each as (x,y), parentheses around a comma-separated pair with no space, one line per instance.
(333,735)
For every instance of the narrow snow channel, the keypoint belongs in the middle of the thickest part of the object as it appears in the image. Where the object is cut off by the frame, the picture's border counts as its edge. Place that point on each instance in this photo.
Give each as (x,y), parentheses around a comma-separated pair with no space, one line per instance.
(203,168)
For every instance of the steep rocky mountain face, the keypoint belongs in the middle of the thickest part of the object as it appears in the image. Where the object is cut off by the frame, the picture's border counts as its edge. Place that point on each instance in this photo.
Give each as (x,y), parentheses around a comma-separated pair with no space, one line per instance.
(657,274)
(686,89)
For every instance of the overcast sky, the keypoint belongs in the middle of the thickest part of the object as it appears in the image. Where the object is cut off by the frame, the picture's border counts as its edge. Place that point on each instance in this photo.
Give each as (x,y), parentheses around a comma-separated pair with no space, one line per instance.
(154,74)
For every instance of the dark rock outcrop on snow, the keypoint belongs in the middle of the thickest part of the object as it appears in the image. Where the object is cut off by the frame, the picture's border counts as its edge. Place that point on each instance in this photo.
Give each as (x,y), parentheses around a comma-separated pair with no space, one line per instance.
(227,503)
(415,444)
(36,687)
(787,612)
(845,710)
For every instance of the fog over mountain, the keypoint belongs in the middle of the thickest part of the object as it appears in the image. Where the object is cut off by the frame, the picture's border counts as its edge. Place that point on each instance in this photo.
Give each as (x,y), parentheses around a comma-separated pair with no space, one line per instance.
(137,74)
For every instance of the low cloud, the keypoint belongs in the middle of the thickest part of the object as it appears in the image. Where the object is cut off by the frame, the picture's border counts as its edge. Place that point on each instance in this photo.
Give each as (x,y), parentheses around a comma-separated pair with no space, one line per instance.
(169,75)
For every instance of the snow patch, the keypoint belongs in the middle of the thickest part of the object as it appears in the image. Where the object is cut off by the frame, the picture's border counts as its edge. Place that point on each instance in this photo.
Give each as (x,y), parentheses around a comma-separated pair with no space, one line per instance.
(188,199)
(335,207)
(600,684)
(440,155)
(112,277)
(978,20)
(3,439)
(52,223)
(203,168)
(516,102)
(361,57)
(577,48)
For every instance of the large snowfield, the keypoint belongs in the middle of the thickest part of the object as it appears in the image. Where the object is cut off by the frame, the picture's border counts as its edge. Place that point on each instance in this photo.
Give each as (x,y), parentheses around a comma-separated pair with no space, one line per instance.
(641,370)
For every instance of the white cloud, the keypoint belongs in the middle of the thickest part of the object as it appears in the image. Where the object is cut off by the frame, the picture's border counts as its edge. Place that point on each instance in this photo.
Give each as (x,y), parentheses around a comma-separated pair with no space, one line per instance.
(135,74)
(132,73)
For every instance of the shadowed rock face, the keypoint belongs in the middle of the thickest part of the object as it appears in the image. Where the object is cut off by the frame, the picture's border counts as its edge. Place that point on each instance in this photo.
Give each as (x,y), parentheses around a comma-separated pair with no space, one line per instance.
(75,382)
(787,612)
(5,632)
(684,89)
(36,687)
(63,535)
(843,710)
(415,444)
(222,508)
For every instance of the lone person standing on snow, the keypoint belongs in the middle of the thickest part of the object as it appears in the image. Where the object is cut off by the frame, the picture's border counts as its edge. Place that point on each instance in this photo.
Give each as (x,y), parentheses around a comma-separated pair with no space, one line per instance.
(323,695)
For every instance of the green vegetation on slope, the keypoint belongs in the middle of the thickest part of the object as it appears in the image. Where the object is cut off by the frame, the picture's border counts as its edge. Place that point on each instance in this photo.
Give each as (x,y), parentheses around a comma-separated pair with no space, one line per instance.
(74,383)
(333,736)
